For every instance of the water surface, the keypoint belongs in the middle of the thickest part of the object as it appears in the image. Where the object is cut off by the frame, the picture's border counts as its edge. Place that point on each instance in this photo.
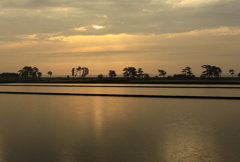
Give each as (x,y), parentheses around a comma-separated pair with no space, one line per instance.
(80,128)
(125,89)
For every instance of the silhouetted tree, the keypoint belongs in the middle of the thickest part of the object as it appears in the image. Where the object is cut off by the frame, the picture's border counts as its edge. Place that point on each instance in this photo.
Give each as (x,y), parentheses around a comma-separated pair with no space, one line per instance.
(231,71)
(85,71)
(162,72)
(39,74)
(208,71)
(34,72)
(139,73)
(28,72)
(78,69)
(125,73)
(129,72)
(112,74)
(50,73)
(73,71)
(217,71)
(211,71)
(187,71)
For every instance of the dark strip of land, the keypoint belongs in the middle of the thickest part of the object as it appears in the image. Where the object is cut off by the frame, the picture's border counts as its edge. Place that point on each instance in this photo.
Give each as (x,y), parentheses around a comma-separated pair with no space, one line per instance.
(125,80)
(124,95)
(116,86)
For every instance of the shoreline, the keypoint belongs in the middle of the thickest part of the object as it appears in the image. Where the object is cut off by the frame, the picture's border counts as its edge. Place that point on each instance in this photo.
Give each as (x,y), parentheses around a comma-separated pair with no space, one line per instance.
(231,81)
(123,95)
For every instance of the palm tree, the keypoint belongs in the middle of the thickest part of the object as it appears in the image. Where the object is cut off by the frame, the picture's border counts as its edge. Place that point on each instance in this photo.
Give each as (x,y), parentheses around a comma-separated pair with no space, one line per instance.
(231,71)
(73,71)
(49,73)
(162,72)
(78,69)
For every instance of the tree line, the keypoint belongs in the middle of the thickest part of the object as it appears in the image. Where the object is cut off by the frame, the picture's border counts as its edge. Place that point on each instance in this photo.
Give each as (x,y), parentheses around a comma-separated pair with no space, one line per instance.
(25,72)
(128,72)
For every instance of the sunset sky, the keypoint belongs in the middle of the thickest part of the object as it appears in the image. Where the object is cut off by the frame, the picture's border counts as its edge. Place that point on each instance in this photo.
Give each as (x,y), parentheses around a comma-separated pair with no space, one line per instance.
(105,35)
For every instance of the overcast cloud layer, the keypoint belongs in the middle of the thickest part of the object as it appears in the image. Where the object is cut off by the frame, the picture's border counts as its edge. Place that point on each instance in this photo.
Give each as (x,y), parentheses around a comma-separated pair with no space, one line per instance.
(97,17)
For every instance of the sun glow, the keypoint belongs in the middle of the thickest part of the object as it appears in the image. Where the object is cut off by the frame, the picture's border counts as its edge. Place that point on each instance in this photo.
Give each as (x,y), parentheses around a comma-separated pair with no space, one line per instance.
(98,27)
(115,51)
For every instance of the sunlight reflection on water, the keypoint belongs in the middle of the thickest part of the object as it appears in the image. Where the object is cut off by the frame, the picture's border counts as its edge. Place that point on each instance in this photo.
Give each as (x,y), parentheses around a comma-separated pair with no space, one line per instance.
(126,90)
(80,128)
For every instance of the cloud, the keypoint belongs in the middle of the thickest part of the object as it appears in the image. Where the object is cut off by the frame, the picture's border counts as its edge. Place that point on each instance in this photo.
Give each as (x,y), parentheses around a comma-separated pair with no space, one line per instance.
(33,36)
(171,52)
(86,28)
(221,31)
(69,17)
(90,54)
(83,28)
(191,3)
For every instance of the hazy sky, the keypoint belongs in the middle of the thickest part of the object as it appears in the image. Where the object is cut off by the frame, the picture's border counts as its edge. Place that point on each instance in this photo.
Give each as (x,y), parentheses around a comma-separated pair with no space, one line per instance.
(105,35)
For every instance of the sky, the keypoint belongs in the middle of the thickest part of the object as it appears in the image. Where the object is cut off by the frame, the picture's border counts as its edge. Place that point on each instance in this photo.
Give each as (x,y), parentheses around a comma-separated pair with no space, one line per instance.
(103,35)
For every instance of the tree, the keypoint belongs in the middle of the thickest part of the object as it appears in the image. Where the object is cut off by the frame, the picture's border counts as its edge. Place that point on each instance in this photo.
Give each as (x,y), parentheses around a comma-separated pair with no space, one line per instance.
(112,74)
(49,73)
(85,71)
(129,72)
(73,71)
(78,69)
(211,71)
(208,71)
(162,72)
(187,71)
(39,74)
(139,73)
(28,72)
(231,71)
(217,71)
(125,73)
(34,72)
(132,71)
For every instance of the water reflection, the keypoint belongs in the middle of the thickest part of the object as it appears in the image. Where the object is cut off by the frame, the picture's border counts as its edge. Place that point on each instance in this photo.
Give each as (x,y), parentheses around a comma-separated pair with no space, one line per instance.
(127,90)
(98,120)
(78,128)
